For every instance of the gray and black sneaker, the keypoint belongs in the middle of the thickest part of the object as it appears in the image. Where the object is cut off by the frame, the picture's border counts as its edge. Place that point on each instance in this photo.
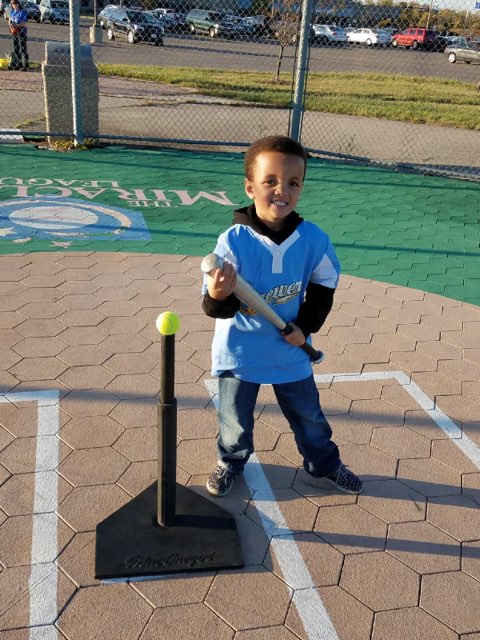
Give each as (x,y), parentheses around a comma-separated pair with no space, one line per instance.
(344,480)
(220,481)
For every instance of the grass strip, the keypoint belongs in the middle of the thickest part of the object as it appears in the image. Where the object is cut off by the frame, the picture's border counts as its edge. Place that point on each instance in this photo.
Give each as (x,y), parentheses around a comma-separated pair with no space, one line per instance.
(407,98)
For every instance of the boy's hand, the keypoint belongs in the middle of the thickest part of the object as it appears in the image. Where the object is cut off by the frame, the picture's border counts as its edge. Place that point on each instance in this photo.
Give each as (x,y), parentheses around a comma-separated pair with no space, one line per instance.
(222,283)
(296,337)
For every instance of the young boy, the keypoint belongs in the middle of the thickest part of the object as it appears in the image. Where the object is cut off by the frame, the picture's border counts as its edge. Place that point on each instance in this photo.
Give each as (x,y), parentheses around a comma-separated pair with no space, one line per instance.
(292,264)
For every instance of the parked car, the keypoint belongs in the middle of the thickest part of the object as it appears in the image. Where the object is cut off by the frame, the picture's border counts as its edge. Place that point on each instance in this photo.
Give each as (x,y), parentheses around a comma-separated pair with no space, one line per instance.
(469,53)
(328,34)
(417,38)
(32,9)
(259,23)
(214,24)
(54,11)
(165,21)
(132,24)
(369,37)
(170,20)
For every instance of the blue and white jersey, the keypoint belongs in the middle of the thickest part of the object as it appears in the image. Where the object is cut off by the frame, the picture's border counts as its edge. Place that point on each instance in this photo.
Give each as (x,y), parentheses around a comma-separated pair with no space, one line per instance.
(247,344)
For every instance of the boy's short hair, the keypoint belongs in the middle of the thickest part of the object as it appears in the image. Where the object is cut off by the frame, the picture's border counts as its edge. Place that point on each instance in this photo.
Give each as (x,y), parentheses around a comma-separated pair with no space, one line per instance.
(276,144)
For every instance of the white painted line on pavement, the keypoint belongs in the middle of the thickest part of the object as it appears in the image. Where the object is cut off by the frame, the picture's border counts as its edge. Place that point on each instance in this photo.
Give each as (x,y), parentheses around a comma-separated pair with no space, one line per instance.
(308,602)
(463,442)
(43,575)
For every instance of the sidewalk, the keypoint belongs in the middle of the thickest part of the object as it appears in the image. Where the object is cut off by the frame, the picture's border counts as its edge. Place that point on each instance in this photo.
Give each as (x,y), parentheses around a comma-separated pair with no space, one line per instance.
(132,107)
(94,245)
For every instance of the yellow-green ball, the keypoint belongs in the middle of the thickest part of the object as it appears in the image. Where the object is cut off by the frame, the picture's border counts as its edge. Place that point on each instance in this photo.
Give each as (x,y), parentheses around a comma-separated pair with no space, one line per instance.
(168,323)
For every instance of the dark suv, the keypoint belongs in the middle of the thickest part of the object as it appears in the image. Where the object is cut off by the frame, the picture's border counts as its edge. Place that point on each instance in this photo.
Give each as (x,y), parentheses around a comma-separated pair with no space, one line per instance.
(131,24)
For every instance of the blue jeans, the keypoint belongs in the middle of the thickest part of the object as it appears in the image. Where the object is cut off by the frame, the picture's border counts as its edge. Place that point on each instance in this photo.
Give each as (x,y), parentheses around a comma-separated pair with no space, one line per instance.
(300,404)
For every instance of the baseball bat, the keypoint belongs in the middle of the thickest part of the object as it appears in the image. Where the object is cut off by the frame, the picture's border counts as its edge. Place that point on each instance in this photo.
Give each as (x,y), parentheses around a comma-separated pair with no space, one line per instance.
(247,294)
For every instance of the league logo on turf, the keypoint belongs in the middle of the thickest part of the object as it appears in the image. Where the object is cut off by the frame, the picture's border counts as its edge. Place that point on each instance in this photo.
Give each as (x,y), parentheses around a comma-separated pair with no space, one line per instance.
(64,220)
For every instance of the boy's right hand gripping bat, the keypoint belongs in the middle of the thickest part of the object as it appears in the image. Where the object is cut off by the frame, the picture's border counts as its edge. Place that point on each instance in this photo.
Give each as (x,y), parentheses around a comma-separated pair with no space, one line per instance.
(247,294)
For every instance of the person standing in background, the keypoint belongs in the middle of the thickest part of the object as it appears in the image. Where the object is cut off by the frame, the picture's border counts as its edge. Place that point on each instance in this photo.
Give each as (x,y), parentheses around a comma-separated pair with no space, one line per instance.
(18,28)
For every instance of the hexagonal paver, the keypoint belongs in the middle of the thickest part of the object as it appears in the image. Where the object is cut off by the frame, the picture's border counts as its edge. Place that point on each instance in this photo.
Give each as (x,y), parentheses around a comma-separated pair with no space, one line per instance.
(84,355)
(378,413)
(81,403)
(9,337)
(92,431)
(177,590)
(19,456)
(139,476)
(85,467)
(17,594)
(16,539)
(350,618)
(138,444)
(86,377)
(429,477)
(132,343)
(41,310)
(456,515)
(17,494)
(423,547)
(400,442)
(348,430)
(234,598)
(40,327)
(130,363)
(85,507)
(81,318)
(299,514)
(410,624)
(453,599)
(77,560)
(141,412)
(197,621)
(114,611)
(447,452)
(135,386)
(392,501)
(351,529)
(380,581)
(323,561)
(197,456)
(83,335)
(80,301)
(368,462)
(38,369)
(8,358)
(39,347)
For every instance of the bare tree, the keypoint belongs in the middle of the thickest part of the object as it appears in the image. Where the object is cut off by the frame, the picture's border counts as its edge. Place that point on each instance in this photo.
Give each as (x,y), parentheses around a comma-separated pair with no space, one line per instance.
(286,30)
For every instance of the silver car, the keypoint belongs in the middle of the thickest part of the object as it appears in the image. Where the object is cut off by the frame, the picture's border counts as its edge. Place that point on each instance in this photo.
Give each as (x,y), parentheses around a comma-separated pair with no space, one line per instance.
(468,52)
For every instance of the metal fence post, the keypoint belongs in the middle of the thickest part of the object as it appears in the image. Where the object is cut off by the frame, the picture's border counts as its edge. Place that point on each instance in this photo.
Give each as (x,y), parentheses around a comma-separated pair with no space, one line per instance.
(74,7)
(301,70)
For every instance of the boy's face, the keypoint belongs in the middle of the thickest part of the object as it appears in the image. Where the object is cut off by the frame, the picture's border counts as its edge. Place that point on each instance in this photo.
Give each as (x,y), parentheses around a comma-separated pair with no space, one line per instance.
(276,186)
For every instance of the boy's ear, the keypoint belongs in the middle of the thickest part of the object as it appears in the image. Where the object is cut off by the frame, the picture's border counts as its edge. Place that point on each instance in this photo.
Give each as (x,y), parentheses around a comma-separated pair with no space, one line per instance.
(248,188)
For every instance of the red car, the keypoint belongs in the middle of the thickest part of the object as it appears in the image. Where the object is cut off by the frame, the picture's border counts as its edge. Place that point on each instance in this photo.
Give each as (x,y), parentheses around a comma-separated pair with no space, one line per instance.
(417,39)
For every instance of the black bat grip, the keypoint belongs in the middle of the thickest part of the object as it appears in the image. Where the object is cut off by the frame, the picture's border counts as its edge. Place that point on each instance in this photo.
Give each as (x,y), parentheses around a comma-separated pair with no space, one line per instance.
(315,356)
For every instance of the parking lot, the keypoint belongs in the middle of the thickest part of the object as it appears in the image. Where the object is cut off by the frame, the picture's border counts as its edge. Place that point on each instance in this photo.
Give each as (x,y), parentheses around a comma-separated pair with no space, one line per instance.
(254,54)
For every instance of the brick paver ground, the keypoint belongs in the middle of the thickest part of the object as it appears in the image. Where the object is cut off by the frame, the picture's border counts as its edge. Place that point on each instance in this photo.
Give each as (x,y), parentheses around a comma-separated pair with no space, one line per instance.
(80,376)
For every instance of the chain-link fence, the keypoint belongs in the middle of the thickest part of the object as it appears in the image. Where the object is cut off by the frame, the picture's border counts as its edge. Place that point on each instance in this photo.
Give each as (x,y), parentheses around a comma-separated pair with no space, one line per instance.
(394,83)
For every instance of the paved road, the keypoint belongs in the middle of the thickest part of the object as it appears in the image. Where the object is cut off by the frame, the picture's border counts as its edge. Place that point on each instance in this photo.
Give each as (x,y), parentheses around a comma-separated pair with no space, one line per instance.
(258,55)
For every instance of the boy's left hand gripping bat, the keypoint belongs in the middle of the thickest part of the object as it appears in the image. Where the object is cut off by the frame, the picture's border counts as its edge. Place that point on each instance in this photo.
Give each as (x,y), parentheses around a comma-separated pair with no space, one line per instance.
(247,294)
